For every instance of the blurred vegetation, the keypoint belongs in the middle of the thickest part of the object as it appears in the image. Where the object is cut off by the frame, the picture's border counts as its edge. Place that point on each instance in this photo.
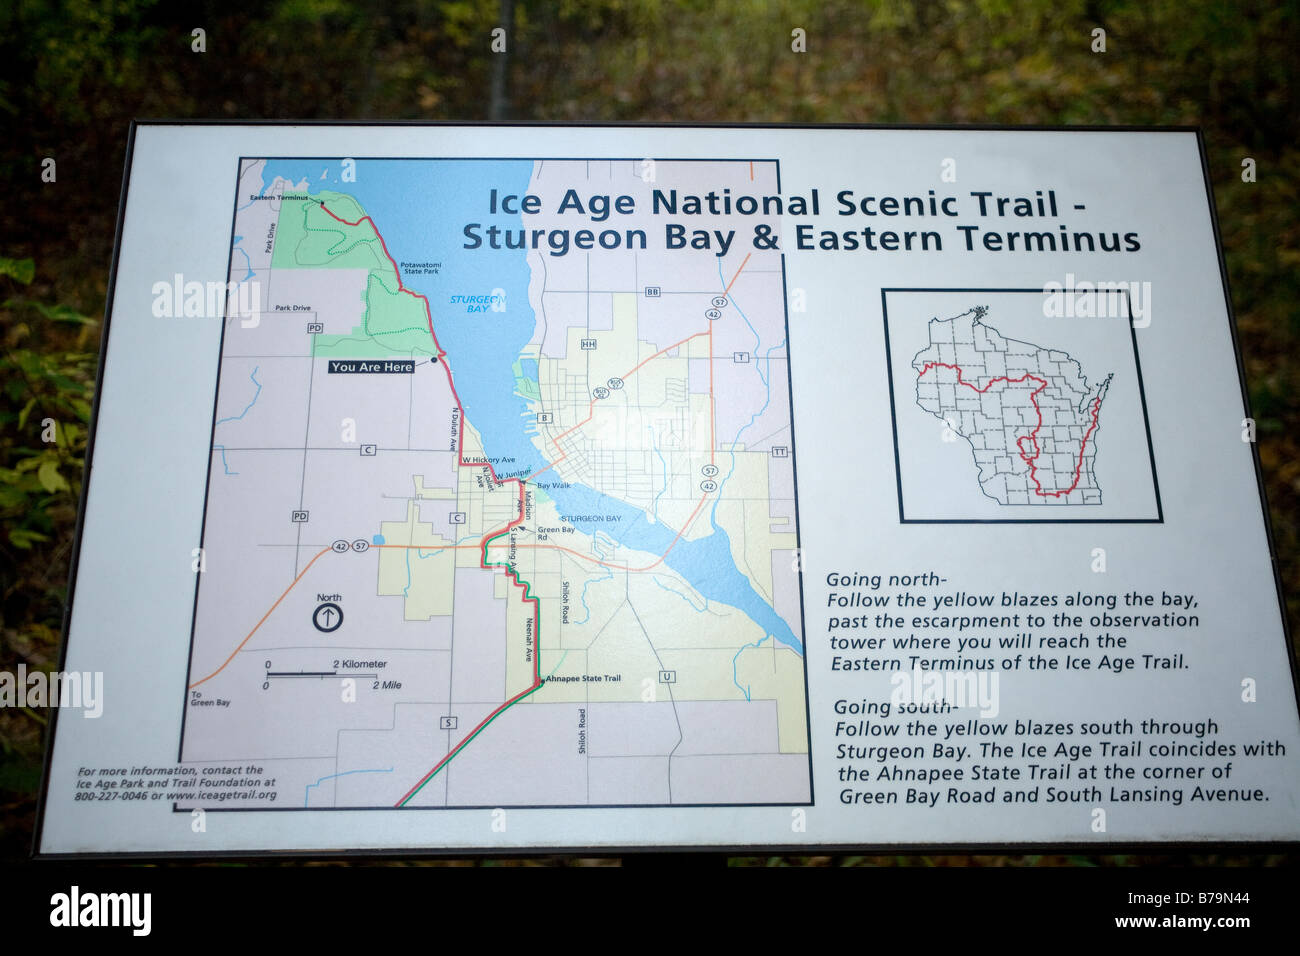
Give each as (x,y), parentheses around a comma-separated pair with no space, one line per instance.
(74,72)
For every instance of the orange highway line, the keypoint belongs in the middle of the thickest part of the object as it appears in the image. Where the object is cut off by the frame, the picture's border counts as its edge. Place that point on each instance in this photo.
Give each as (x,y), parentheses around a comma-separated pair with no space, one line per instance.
(555,441)
(689,521)
(738,272)
(551,547)
(319,553)
(591,406)
(586,557)
(449,547)
(479,547)
(559,547)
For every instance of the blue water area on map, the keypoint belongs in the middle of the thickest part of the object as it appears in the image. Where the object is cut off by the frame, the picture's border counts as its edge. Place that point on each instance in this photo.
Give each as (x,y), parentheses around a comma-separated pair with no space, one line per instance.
(706,563)
(421,208)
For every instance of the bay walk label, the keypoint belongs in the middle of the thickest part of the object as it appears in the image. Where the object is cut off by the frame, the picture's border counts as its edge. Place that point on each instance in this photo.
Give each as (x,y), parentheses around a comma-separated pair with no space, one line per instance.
(668,530)
(374,367)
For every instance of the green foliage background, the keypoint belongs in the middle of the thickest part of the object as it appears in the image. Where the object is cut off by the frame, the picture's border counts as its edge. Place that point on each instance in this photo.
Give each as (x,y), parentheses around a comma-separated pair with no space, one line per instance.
(74,72)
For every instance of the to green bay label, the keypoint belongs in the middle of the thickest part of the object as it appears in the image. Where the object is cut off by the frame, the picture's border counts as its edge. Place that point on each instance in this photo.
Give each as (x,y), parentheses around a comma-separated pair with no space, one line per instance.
(357,366)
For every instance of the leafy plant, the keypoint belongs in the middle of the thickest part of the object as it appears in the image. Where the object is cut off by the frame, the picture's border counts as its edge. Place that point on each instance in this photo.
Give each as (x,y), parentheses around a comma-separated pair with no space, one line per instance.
(47,371)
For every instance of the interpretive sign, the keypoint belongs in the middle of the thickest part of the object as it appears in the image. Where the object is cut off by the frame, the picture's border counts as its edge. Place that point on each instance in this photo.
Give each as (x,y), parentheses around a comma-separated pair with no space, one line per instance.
(495,488)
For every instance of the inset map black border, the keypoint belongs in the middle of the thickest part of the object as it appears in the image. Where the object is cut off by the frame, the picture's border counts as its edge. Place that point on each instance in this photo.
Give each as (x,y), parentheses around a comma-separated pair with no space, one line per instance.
(893,422)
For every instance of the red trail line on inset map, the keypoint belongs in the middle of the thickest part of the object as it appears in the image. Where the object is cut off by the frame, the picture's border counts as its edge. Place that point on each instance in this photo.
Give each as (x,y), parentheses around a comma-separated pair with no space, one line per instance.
(1033,435)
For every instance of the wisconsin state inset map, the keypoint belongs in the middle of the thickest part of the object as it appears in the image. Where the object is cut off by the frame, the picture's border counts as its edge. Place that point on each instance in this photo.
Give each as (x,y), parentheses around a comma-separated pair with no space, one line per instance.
(1004,410)
(1028,412)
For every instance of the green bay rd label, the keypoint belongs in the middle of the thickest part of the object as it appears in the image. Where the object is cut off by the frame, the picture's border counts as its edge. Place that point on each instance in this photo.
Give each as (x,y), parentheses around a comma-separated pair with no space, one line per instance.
(389,366)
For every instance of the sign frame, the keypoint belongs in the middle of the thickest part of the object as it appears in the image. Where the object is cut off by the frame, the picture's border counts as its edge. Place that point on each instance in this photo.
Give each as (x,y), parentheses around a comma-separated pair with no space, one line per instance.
(1095,847)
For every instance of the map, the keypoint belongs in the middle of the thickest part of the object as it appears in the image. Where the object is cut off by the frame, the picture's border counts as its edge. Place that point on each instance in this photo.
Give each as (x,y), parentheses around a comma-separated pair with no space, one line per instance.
(500,512)
(1028,412)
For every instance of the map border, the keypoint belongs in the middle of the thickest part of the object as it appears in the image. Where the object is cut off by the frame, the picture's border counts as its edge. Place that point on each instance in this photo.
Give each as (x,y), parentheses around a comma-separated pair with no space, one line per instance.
(893,421)
(216,394)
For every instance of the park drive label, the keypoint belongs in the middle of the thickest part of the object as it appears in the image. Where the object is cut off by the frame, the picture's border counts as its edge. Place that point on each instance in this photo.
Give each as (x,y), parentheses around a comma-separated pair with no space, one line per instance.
(378,366)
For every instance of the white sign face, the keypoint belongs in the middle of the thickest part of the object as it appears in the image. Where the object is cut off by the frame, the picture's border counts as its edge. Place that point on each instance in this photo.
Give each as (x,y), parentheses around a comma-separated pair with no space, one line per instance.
(490,489)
